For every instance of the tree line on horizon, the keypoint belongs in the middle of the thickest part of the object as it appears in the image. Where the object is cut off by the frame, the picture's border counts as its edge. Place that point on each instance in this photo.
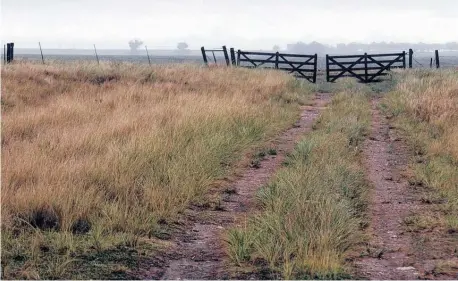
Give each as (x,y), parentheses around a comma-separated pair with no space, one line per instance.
(319,48)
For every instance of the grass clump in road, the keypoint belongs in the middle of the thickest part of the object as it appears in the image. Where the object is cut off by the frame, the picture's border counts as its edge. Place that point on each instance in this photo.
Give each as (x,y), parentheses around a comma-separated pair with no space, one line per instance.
(424,105)
(97,159)
(313,209)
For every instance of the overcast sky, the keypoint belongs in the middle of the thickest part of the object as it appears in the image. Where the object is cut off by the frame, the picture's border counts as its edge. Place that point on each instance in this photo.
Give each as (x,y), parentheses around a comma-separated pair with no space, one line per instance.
(252,24)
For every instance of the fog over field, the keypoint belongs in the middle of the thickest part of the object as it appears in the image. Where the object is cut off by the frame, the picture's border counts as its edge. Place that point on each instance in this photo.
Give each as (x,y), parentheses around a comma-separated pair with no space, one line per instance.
(257,24)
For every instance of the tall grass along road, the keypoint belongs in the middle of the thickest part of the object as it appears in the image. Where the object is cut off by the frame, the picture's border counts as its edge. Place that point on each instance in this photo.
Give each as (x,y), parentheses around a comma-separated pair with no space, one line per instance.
(312,211)
(201,251)
(98,161)
(423,109)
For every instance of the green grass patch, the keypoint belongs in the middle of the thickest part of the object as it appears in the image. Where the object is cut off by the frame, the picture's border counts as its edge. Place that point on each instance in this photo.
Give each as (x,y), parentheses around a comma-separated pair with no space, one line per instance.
(314,208)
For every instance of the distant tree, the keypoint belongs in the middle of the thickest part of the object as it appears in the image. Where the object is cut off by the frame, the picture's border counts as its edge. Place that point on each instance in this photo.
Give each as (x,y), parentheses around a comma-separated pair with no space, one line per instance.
(182,46)
(276,48)
(135,44)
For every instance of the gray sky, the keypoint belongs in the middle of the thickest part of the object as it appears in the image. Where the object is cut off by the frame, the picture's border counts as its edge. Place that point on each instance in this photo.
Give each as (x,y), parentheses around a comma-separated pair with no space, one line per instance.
(241,23)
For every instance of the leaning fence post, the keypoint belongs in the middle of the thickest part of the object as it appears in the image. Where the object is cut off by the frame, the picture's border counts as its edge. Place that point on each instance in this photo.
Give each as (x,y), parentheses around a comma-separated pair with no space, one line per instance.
(204,55)
(147,54)
(410,58)
(96,55)
(226,56)
(366,71)
(41,51)
(315,68)
(233,56)
(437,59)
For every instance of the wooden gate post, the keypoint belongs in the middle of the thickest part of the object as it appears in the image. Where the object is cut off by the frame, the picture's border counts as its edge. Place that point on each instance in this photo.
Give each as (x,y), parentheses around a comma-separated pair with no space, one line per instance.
(233,56)
(431,63)
(226,56)
(238,57)
(315,68)
(327,68)
(277,55)
(12,51)
(366,74)
(410,58)
(204,55)
(8,52)
(404,59)
(437,59)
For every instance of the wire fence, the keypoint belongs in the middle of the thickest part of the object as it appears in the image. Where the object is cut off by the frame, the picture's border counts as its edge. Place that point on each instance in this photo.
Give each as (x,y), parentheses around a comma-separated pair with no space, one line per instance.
(419,59)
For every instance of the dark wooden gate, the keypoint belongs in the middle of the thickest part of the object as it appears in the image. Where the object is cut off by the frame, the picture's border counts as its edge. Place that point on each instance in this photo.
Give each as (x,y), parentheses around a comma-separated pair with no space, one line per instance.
(301,66)
(364,67)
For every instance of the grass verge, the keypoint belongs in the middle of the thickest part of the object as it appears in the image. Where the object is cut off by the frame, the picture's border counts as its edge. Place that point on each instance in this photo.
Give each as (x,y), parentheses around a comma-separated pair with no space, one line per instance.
(424,105)
(313,210)
(97,160)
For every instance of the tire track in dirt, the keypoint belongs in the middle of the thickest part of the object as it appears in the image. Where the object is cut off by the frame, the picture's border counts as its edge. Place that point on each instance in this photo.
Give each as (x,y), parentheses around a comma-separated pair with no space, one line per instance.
(386,158)
(199,251)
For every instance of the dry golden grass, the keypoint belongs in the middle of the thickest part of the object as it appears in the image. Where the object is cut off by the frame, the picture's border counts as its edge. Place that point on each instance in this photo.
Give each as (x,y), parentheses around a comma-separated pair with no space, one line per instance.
(425,106)
(108,151)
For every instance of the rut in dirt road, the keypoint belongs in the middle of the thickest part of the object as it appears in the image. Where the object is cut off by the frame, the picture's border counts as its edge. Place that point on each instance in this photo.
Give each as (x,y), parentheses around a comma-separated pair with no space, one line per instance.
(385,159)
(200,250)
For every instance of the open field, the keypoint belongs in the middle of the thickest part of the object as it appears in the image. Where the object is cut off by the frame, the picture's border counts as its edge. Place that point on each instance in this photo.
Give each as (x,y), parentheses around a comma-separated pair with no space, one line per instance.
(98,160)
(126,171)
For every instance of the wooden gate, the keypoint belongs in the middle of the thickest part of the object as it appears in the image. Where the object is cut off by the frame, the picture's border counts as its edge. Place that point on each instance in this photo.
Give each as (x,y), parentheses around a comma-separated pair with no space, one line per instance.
(301,66)
(364,67)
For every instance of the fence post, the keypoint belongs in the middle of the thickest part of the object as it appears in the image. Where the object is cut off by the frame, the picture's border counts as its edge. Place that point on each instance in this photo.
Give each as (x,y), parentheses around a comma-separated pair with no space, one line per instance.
(410,58)
(431,63)
(4,53)
(404,59)
(233,56)
(277,55)
(315,68)
(327,68)
(12,51)
(238,57)
(437,59)
(226,56)
(41,51)
(9,56)
(147,54)
(204,55)
(96,55)
(366,71)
